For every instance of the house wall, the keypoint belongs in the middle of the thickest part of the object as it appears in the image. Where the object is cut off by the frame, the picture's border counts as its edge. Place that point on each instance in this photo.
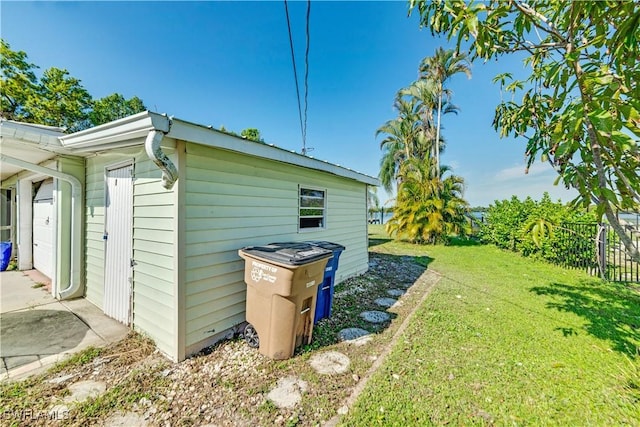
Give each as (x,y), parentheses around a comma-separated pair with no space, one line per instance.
(234,200)
(154,281)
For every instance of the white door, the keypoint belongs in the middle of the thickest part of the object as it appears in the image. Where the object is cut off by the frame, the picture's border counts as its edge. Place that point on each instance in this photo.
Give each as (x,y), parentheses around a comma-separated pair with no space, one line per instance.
(43,229)
(118,244)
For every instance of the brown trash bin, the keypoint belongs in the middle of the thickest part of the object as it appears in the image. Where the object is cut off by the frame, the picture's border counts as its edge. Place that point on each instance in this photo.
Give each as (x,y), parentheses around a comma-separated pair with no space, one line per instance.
(282,282)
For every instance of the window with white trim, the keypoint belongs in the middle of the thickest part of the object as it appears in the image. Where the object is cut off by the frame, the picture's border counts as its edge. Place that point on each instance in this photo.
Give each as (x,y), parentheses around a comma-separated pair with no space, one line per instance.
(312,212)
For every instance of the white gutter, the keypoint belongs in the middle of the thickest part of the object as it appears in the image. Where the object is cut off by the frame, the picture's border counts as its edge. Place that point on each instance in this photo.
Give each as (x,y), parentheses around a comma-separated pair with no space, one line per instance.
(74,289)
(126,132)
(154,150)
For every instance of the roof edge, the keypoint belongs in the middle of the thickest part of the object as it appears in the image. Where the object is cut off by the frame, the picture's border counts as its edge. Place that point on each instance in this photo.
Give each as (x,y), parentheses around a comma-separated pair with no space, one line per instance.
(205,135)
(116,133)
(133,129)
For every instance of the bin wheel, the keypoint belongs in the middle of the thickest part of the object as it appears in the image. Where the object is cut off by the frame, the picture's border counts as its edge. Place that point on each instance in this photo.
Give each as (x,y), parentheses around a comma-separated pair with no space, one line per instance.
(251,336)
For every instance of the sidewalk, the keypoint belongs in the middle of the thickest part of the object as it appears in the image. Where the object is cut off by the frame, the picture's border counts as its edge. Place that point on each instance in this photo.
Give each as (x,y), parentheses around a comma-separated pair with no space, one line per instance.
(36,330)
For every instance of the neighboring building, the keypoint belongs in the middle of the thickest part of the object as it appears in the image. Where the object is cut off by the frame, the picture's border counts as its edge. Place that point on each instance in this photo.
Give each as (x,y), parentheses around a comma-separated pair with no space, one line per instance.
(145,216)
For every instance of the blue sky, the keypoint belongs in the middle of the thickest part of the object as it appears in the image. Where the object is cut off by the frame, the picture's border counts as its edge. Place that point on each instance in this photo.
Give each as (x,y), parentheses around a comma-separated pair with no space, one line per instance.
(229,63)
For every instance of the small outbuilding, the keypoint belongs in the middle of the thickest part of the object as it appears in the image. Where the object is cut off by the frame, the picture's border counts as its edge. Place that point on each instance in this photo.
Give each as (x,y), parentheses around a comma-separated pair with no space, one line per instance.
(144,217)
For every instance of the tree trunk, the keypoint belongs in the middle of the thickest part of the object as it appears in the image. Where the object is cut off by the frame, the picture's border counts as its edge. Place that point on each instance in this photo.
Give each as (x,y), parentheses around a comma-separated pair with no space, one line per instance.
(602,182)
(602,179)
(437,141)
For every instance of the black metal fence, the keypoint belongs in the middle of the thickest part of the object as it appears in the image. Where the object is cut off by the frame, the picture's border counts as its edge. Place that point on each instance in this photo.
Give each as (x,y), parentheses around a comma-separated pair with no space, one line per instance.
(597,249)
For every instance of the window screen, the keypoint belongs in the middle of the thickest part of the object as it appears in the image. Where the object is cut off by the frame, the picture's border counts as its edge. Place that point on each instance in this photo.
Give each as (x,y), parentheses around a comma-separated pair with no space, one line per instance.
(312,212)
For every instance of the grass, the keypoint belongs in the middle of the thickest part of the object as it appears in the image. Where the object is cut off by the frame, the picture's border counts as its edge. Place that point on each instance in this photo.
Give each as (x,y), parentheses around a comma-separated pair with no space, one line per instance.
(499,340)
(78,359)
(35,395)
(505,340)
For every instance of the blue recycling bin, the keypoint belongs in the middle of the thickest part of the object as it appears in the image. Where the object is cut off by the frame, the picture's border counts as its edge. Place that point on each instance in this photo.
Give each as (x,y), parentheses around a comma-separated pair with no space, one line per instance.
(5,255)
(324,299)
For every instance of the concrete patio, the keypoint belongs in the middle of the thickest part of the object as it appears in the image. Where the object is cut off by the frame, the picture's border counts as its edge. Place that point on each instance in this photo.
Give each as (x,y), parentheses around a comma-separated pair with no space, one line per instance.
(36,330)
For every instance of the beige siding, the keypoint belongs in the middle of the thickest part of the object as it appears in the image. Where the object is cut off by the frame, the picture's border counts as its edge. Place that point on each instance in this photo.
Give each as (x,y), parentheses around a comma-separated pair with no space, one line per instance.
(154,286)
(234,200)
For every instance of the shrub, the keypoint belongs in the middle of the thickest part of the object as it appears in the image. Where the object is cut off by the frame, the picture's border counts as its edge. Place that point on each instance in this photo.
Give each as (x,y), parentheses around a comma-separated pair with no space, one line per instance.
(538,229)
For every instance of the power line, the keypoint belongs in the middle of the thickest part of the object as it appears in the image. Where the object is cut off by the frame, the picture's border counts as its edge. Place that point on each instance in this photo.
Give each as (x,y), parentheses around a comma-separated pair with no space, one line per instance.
(295,72)
(303,123)
(306,82)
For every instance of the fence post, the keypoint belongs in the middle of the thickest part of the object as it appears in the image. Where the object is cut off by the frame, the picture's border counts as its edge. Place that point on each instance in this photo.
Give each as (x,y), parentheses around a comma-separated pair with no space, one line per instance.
(601,241)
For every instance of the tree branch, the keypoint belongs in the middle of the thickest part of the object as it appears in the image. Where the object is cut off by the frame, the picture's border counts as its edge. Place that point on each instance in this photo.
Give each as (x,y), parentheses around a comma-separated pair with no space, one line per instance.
(619,174)
(532,13)
(597,160)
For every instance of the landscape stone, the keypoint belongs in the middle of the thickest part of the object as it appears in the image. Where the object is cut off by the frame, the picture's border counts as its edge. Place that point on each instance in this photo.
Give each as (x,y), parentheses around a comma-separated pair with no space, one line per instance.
(375,316)
(361,341)
(396,292)
(385,302)
(129,419)
(61,379)
(330,363)
(288,392)
(350,334)
(83,390)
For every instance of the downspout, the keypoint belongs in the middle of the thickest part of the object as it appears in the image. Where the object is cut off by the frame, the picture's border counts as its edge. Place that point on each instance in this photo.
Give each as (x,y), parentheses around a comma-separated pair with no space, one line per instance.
(153,148)
(74,289)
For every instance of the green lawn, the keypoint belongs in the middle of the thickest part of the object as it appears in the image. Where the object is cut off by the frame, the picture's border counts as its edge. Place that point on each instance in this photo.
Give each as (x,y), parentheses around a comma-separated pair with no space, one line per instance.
(506,340)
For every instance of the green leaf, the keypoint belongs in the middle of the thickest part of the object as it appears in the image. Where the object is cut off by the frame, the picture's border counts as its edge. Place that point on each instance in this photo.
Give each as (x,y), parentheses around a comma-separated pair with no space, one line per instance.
(502,78)
(472,25)
(602,120)
(609,195)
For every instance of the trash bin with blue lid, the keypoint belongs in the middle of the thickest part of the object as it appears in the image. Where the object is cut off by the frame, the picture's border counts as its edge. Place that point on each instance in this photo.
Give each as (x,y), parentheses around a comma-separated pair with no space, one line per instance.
(282,281)
(324,299)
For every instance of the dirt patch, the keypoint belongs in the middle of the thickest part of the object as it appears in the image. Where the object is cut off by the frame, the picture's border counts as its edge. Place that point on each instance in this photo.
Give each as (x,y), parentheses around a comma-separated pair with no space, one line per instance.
(229,384)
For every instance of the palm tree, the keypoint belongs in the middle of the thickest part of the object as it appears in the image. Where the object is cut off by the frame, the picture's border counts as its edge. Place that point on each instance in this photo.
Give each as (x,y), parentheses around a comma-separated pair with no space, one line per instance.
(428,208)
(395,151)
(426,95)
(373,202)
(401,141)
(423,94)
(439,68)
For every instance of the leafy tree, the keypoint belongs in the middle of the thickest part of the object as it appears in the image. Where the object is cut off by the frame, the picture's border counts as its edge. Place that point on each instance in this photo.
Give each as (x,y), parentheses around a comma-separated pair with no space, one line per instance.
(59,100)
(428,209)
(252,134)
(17,84)
(438,69)
(114,107)
(580,105)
